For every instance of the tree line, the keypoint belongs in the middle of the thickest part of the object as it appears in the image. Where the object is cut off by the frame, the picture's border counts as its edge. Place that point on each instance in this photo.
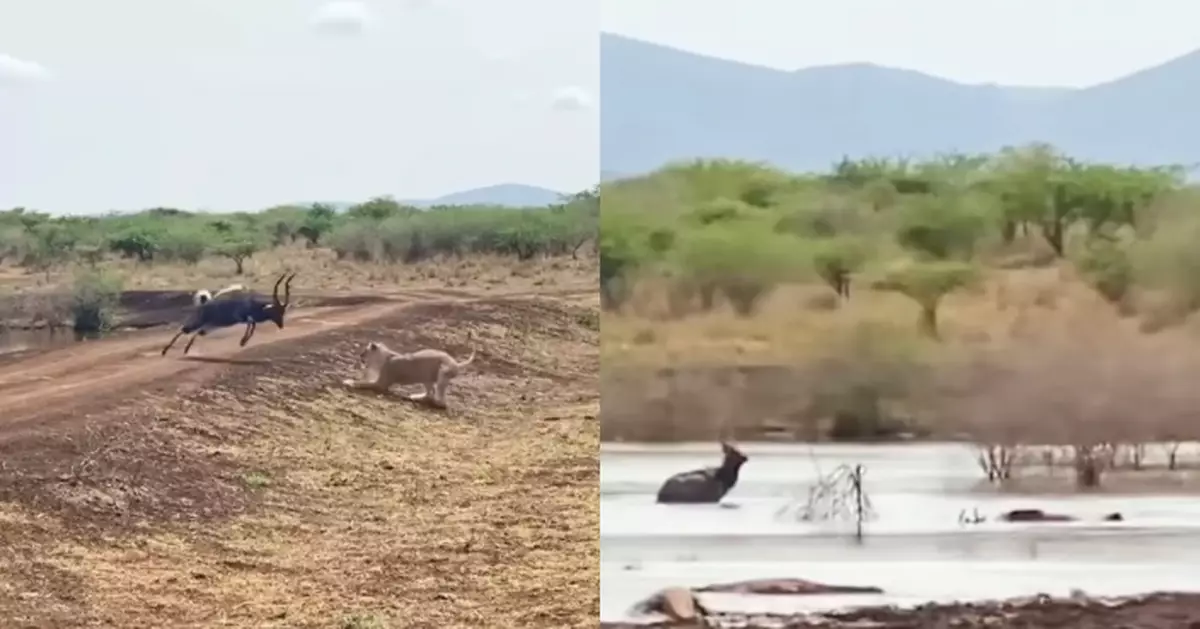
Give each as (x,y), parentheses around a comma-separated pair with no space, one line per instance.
(378,230)
(733,230)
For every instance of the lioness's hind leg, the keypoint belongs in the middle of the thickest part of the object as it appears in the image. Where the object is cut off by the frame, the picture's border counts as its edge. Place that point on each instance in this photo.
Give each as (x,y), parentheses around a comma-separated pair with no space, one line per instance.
(439,388)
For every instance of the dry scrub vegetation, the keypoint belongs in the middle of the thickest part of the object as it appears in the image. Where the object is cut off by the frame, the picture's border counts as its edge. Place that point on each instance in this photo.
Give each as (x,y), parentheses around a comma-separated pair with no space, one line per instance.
(1019,300)
(272,497)
(68,271)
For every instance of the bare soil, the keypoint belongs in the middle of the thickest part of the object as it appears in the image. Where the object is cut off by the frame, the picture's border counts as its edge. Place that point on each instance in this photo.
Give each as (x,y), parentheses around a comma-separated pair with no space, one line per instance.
(1160,610)
(243,487)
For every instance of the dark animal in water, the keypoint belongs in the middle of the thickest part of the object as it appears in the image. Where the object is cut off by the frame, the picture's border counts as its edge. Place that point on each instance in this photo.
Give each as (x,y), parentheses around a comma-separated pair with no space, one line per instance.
(223,311)
(1037,515)
(704,486)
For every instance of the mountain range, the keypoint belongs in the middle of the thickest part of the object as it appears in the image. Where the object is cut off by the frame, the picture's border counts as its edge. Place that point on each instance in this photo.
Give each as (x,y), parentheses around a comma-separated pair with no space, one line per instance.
(660,104)
(505,194)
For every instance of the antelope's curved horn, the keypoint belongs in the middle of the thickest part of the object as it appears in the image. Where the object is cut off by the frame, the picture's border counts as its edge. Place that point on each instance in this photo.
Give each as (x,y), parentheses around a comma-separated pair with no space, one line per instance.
(287,289)
(275,291)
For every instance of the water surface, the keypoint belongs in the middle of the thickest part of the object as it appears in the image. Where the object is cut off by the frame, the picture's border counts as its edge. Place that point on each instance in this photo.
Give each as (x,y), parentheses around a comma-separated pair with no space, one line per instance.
(915,549)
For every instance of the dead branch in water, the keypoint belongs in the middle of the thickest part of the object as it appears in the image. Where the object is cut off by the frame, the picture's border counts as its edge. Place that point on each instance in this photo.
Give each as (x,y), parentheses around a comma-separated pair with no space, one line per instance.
(839,495)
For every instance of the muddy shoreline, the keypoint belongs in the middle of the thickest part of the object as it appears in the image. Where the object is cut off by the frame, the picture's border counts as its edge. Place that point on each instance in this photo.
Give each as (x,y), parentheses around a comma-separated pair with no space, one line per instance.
(1157,610)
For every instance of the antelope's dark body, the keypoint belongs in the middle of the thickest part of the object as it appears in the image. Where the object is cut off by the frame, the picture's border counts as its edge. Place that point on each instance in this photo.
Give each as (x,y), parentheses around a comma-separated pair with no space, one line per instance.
(223,313)
(704,486)
(227,310)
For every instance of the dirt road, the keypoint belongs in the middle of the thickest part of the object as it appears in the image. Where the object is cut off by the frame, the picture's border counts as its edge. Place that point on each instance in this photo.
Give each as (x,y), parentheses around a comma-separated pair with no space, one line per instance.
(72,383)
(81,376)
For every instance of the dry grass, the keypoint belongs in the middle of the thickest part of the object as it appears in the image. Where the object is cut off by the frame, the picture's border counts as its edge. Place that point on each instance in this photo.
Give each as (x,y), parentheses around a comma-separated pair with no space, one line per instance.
(365,511)
(796,321)
(716,374)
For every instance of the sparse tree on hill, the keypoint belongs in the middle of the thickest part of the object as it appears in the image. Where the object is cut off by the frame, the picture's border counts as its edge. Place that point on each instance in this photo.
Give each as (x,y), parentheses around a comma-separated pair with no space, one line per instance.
(239,251)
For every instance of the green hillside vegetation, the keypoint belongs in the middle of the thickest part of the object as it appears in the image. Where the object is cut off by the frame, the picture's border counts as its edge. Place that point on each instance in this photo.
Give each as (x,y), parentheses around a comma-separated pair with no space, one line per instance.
(380,231)
(734,231)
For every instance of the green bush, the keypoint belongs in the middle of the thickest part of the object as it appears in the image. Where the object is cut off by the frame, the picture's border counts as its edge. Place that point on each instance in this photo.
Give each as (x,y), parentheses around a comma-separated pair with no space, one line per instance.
(1107,267)
(182,244)
(743,262)
(942,226)
(94,299)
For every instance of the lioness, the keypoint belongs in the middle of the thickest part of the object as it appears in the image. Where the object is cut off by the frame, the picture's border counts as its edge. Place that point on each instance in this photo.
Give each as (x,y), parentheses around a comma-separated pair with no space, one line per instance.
(384,367)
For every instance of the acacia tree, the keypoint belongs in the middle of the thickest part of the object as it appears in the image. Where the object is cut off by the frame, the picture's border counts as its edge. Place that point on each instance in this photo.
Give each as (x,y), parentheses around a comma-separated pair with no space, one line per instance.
(1022,180)
(1036,184)
(239,251)
(928,283)
(942,232)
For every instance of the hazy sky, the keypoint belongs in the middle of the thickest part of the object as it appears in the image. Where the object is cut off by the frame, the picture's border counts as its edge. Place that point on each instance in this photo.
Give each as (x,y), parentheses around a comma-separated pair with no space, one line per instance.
(1014,42)
(242,104)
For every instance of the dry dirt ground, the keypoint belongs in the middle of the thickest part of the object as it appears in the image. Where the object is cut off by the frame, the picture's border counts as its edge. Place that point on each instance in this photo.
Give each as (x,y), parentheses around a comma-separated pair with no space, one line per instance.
(246,488)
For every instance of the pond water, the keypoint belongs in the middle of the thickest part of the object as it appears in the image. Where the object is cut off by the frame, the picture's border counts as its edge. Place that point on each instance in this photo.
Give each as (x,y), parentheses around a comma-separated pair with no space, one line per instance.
(915,548)
(15,341)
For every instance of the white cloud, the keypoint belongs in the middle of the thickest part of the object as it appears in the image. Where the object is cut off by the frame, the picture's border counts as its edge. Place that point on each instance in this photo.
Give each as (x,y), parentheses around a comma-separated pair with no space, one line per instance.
(17,70)
(571,98)
(342,17)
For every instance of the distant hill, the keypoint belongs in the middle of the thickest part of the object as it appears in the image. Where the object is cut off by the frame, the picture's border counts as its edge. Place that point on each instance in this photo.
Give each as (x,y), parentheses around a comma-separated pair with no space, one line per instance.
(661,104)
(506,194)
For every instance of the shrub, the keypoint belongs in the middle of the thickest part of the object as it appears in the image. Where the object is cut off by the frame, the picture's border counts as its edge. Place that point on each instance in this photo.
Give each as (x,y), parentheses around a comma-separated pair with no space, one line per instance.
(942,226)
(182,244)
(743,262)
(94,298)
(1106,266)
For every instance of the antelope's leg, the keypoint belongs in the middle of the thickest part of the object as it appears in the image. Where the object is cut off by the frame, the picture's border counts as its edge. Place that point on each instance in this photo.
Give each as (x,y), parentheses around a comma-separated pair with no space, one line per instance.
(173,339)
(192,340)
(249,333)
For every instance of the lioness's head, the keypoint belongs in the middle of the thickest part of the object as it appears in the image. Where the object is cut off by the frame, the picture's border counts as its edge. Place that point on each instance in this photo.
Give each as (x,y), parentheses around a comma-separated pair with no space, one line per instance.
(370,350)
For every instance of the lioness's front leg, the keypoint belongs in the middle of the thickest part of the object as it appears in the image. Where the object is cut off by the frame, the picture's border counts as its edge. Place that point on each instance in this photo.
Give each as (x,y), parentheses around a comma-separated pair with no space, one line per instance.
(371,379)
(424,395)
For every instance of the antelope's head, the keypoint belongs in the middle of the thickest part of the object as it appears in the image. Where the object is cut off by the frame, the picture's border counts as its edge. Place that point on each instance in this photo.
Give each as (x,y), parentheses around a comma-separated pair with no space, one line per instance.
(276,309)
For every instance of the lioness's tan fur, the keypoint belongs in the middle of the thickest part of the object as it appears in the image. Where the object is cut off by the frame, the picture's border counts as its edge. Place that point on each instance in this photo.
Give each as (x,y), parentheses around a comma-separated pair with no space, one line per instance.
(384,368)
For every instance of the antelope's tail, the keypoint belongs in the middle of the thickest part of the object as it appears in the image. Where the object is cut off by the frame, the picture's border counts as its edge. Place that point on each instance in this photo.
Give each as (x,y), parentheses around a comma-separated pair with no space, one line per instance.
(201,297)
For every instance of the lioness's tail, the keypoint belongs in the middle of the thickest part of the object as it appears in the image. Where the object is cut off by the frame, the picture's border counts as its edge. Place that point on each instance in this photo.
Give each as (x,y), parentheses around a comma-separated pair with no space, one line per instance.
(468,360)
